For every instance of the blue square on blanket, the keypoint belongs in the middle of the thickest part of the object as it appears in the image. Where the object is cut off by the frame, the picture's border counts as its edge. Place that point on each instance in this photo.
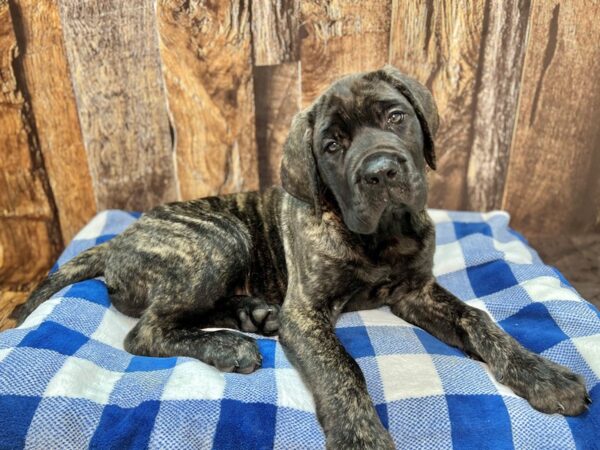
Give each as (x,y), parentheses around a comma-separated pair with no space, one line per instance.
(63,422)
(267,350)
(91,290)
(534,328)
(382,412)
(490,277)
(296,429)
(104,355)
(52,336)
(356,341)
(444,233)
(245,425)
(125,427)
(16,412)
(463,229)
(479,422)
(436,347)
(394,340)
(458,283)
(148,363)
(585,427)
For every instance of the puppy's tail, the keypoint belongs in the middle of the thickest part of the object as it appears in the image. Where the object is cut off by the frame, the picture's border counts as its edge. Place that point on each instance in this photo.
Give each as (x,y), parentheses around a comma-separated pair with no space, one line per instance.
(88,264)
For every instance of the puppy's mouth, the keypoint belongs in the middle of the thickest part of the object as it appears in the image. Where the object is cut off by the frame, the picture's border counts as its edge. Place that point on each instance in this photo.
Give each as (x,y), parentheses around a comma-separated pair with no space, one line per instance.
(365,213)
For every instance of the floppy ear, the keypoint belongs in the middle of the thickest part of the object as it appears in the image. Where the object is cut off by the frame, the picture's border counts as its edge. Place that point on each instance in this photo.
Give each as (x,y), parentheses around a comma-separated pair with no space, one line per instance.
(299,175)
(422,101)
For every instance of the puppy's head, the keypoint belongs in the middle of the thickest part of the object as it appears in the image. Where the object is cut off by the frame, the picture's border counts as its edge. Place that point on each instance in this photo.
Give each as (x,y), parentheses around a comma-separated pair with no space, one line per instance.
(366,140)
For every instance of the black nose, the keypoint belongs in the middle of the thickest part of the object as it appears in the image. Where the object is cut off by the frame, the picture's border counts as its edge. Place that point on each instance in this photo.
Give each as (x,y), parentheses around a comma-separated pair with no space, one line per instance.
(382,170)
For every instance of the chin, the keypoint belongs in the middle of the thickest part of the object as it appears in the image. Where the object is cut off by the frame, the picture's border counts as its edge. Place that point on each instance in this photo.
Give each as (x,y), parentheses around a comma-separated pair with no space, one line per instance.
(360,225)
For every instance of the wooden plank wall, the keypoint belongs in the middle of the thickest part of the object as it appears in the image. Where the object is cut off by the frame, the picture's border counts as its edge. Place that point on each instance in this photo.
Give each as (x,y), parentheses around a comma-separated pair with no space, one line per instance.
(553,182)
(111,104)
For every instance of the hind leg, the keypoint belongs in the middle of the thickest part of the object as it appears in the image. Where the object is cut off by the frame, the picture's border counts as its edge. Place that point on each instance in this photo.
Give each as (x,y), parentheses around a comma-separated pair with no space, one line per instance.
(158,334)
(245,313)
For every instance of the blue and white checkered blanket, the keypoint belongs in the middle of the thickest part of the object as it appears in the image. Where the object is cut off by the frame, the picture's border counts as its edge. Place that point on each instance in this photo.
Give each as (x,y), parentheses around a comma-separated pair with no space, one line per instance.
(66,382)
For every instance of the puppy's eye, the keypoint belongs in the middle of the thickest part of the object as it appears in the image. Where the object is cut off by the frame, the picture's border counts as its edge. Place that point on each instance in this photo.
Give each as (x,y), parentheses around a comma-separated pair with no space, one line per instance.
(332,147)
(395,117)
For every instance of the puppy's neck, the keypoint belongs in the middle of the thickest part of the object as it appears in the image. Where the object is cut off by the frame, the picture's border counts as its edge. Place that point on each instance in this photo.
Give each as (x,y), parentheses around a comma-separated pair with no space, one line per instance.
(401,231)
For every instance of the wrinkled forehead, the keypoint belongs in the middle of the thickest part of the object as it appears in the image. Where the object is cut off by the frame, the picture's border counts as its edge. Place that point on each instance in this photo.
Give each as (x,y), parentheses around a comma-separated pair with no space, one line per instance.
(356,98)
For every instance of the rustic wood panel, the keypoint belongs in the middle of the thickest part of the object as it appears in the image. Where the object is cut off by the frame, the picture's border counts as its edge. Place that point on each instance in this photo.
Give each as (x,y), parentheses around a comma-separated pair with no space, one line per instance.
(497,93)
(29,237)
(439,43)
(341,37)
(53,104)
(112,48)
(275,31)
(277,101)
(553,184)
(9,300)
(207,62)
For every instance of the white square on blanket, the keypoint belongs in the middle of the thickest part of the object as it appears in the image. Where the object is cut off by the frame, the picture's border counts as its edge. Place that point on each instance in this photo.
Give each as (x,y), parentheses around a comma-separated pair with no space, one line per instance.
(79,378)
(4,353)
(503,390)
(439,216)
(382,317)
(477,303)
(292,392)
(193,380)
(408,376)
(41,312)
(543,289)
(448,258)
(589,347)
(113,328)
(94,228)
(514,251)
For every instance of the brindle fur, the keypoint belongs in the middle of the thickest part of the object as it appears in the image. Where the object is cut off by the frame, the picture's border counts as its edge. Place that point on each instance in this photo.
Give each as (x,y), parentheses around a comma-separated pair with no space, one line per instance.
(329,242)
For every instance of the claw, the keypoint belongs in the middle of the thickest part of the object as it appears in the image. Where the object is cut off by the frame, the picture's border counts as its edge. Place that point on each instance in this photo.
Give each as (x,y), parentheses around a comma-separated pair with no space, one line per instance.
(561,408)
(588,400)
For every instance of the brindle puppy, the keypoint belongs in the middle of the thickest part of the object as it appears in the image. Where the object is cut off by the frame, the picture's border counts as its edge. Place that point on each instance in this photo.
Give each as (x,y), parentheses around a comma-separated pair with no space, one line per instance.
(349,231)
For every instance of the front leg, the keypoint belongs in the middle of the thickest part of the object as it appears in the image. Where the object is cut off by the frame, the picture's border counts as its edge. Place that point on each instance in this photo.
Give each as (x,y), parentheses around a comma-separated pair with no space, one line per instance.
(344,407)
(548,387)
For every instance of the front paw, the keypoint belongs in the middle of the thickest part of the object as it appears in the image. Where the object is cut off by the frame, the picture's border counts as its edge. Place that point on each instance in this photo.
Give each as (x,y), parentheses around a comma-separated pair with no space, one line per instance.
(229,351)
(547,386)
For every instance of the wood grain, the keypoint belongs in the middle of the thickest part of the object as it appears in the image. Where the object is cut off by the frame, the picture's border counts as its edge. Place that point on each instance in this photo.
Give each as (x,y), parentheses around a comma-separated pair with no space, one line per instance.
(497,94)
(277,101)
(553,184)
(9,300)
(207,63)
(113,54)
(439,43)
(340,37)
(275,31)
(53,104)
(29,235)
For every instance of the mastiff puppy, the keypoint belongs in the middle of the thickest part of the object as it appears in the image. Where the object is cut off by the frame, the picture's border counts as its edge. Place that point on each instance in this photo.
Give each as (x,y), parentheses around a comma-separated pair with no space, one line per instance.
(348,231)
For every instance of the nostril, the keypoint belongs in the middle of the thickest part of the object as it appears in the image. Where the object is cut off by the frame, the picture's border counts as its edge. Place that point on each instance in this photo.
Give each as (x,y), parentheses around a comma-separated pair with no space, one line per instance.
(391,174)
(373,179)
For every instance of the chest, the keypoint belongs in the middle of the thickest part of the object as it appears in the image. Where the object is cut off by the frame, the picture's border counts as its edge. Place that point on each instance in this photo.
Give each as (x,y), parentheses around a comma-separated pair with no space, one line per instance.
(368,286)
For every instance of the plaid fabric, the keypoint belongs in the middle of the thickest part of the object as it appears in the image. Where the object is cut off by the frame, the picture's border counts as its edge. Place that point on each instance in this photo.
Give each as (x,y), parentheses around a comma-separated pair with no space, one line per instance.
(66,382)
